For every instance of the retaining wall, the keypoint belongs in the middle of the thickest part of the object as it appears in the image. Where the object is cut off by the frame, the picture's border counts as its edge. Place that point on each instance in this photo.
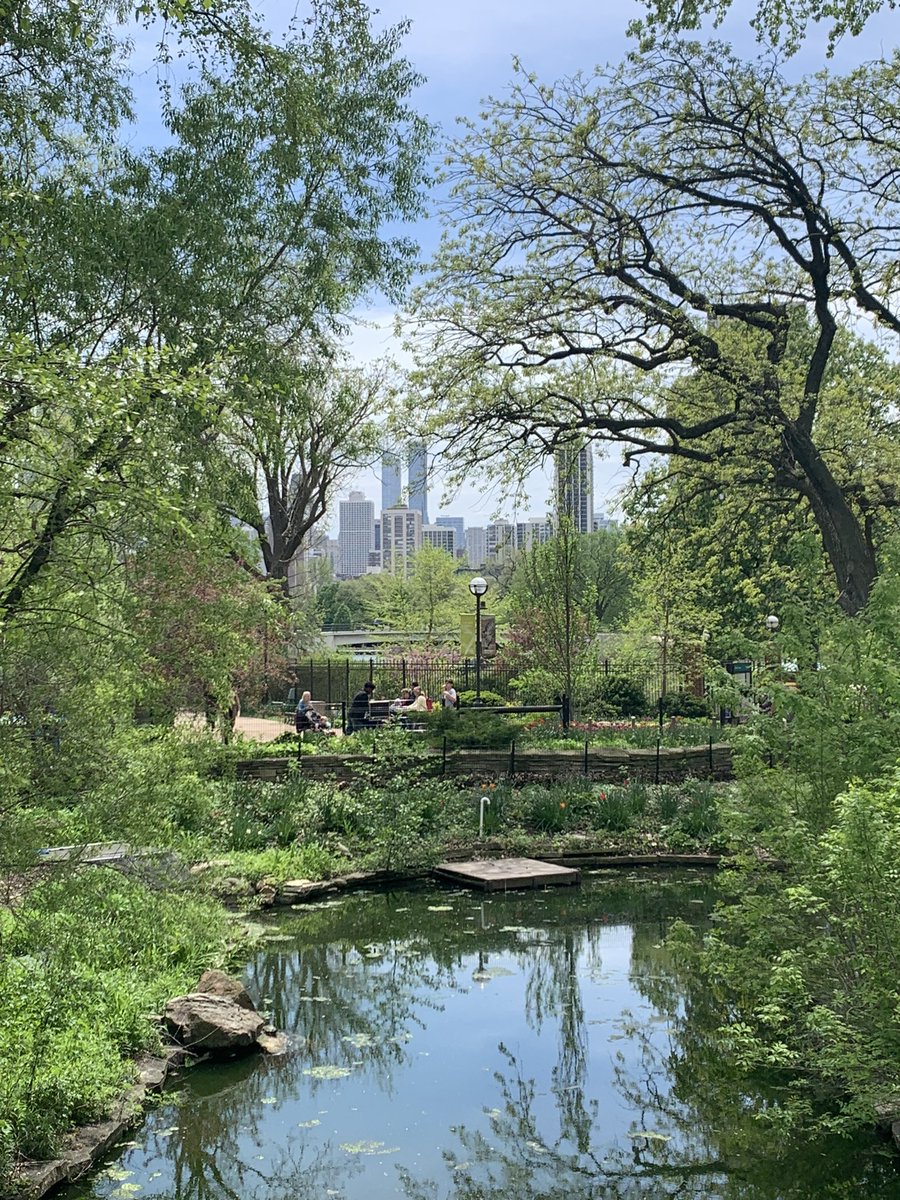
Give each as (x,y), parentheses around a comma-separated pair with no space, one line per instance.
(606,764)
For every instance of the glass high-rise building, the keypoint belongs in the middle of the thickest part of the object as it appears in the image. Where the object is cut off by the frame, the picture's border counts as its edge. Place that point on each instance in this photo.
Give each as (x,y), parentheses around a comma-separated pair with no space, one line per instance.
(390,480)
(418,479)
(575,486)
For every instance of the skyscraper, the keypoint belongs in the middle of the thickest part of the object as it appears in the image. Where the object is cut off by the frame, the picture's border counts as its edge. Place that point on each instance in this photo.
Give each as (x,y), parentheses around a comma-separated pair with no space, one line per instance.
(476,546)
(390,479)
(401,537)
(418,479)
(575,486)
(457,523)
(356,534)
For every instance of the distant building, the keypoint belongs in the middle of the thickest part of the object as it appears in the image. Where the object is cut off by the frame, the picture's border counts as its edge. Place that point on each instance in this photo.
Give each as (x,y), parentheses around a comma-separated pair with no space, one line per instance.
(533,532)
(356,535)
(457,523)
(575,486)
(390,480)
(319,559)
(602,521)
(378,534)
(418,479)
(500,541)
(476,546)
(401,537)
(441,537)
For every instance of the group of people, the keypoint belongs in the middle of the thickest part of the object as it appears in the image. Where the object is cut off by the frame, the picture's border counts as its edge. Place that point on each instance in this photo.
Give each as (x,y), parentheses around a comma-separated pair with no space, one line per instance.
(411,700)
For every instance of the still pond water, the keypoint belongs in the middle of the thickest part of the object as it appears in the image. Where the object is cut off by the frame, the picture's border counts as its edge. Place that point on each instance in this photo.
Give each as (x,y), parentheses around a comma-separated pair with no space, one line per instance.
(445,1044)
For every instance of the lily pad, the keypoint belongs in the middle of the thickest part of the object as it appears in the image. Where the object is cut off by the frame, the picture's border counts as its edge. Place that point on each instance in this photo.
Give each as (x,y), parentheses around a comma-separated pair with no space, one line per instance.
(369,1148)
(328,1071)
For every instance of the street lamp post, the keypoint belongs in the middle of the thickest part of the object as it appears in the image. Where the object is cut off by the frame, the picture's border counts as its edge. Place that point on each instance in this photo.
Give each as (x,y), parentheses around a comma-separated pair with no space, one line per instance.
(478,586)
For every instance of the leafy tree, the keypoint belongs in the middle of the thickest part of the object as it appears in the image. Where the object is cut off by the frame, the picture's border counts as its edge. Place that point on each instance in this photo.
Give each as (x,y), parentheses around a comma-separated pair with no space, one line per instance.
(432,583)
(292,434)
(551,605)
(341,602)
(660,259)
(777,21)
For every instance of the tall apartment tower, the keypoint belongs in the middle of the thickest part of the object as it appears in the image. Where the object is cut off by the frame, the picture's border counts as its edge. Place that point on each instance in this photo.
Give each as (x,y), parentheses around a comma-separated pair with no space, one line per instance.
(476,546)
(401,537)
(418,479)
(575,486)
(390,480)
(356,534)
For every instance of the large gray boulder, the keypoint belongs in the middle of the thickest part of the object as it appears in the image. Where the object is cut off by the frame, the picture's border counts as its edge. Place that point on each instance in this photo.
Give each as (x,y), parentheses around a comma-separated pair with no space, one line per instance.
(207,1023)
(217,983)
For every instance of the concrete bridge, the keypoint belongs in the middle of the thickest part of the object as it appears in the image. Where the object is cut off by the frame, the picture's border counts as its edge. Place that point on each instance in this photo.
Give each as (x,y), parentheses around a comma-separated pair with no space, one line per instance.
(339,638)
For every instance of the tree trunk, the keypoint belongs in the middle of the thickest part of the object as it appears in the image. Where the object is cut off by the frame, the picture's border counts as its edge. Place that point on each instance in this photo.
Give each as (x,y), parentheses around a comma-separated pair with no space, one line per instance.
(851,555)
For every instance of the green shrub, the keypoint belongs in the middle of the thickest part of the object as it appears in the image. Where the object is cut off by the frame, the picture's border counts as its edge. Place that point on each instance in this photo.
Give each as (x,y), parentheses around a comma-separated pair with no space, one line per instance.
(682,704)
(492,699)
(471,730)
(617,696)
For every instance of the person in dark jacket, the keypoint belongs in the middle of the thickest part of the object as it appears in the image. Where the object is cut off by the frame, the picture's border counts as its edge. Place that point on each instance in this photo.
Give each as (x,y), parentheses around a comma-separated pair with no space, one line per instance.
(358,712)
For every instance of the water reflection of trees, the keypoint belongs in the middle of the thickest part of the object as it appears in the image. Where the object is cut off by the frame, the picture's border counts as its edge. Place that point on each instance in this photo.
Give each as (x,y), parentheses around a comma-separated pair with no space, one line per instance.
(694,1134)
(370,968)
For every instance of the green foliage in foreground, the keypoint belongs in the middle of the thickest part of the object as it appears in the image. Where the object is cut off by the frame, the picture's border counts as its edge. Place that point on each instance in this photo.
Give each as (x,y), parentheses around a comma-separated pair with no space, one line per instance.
(83,961)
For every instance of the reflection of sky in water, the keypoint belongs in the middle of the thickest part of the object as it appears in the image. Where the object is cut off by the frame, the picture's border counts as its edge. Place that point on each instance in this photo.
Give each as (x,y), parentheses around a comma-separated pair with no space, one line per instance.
(509,1043)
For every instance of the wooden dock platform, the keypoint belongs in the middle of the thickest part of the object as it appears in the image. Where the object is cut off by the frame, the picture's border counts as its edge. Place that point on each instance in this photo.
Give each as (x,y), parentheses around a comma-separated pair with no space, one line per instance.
(501,874)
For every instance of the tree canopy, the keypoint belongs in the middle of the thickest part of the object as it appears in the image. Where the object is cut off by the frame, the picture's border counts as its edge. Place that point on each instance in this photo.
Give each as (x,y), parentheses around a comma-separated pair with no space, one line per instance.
(661,258)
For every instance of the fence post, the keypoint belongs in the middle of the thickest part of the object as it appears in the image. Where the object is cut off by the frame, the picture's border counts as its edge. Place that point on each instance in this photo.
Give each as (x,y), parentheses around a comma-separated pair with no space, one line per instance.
(403,672)
(661,705)
(606,666)
(467,675)
(658,742)
(329,681)
(444,756)
(565,712)
(586,742)
(512,758)
(344,712)
(372,669)
(346,681)
(710,752)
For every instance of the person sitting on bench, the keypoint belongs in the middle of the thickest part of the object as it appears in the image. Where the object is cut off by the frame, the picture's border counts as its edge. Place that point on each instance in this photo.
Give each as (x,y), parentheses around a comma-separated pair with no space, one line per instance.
(307,719)
(358,712)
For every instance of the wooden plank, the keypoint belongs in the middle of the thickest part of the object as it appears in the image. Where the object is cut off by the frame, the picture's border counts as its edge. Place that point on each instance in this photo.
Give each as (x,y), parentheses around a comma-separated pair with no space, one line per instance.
(501,874)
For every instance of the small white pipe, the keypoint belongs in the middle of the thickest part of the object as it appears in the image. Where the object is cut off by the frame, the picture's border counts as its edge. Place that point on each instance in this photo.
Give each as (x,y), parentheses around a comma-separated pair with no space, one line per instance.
(484,800)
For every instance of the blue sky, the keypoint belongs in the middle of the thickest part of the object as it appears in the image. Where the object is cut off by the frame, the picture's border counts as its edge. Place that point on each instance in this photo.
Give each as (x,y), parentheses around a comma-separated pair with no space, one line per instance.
(465,48)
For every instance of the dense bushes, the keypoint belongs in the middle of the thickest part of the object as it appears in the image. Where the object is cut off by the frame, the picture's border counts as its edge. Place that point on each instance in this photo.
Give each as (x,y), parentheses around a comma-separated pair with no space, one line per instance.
(83,960)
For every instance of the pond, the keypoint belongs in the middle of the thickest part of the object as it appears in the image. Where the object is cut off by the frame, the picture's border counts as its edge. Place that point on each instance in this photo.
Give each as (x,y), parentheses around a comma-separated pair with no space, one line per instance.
(449,1044)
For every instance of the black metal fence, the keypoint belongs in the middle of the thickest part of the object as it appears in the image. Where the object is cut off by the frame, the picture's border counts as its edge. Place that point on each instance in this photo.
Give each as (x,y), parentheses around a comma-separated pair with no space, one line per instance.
(335,679)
